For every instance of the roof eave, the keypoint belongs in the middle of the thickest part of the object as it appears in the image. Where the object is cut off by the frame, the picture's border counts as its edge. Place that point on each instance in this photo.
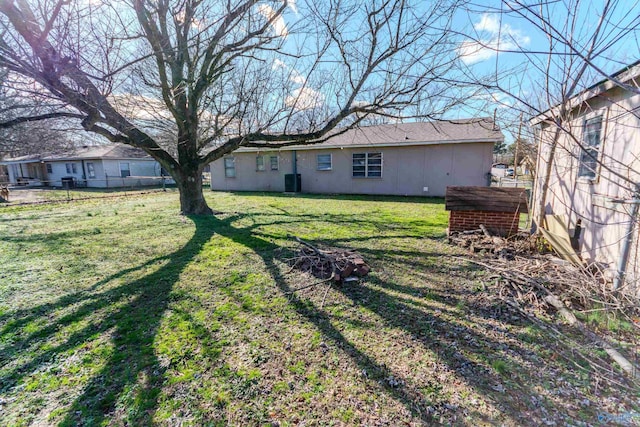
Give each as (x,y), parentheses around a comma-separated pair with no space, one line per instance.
(628,73)
(66,159)
(15,162)
(369,145)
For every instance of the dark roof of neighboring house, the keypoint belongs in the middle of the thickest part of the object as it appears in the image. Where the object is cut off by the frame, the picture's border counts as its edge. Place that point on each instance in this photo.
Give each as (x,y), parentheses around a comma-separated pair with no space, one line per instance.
(107,151)
(623,75)
(417,133)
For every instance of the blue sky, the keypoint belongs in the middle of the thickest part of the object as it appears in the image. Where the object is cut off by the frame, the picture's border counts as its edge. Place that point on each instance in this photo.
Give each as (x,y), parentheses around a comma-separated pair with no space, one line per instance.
(510,42)
(498,42)
(505,29)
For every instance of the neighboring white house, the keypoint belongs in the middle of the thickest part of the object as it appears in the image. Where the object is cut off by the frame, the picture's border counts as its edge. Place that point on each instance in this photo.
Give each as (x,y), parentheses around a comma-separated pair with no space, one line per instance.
(596,170)
(102,166)
(396,159)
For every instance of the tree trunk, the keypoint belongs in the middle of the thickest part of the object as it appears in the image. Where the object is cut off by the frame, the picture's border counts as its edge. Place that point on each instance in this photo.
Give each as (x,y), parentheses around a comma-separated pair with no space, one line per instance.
(192,200)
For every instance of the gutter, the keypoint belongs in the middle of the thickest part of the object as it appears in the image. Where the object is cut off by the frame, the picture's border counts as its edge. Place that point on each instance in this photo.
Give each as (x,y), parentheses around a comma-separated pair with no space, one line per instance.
(621,272)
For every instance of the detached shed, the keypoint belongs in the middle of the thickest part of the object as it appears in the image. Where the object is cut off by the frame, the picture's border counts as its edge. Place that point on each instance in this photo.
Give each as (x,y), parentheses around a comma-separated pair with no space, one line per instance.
(496,208)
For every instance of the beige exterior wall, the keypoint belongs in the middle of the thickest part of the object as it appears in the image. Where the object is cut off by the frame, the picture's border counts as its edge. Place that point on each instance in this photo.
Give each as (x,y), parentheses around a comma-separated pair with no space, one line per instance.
(414,170)
(604,222)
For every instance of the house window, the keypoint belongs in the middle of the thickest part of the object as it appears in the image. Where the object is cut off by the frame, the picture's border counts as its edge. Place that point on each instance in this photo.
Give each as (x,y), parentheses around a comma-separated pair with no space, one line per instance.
(591,148)
(124,169)
(71,167)
(49,168)
(260,163)
(91,170)
(324,162)
(230,167)
(367,165)
(273,160)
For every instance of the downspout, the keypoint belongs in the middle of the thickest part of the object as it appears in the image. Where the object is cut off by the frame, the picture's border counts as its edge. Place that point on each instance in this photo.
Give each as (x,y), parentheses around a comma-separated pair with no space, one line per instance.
(84,174)
(294,161)
(618,282)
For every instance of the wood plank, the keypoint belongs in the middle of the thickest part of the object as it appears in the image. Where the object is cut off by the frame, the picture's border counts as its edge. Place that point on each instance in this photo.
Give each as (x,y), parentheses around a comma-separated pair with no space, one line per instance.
(493,199)
(556,232)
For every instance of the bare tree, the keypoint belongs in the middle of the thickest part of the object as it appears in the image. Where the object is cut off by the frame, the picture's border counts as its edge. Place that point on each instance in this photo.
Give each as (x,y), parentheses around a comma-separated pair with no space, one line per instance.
(576,54)
(25,138)
(576,75)
(190,81)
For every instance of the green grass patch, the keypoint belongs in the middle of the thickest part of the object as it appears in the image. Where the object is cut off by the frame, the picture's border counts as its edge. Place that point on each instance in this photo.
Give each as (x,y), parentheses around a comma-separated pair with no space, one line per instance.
(123,312)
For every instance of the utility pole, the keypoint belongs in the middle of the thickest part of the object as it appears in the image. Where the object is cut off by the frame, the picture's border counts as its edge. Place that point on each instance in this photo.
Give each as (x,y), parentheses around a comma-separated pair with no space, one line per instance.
(517,151)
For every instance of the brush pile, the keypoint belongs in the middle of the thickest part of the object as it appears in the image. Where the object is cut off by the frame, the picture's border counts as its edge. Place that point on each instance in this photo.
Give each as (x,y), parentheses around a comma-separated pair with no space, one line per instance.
(335,265)
(482,242)
(535,284)
(525,271)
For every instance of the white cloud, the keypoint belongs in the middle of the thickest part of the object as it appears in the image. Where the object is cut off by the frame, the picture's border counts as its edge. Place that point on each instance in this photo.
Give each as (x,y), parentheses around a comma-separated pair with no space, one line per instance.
(294,75)
(487,23)
(304,98)
(292,6)
(297,78)
(493,36)
(278,63)
(278,25)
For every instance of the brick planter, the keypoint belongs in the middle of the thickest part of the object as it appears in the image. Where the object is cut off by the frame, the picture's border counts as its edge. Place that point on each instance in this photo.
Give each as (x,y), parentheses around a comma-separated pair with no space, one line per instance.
(496,208)
(499,223)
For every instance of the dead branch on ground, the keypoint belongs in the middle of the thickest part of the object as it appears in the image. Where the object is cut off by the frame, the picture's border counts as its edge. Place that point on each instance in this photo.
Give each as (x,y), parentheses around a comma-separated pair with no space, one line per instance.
(333,266)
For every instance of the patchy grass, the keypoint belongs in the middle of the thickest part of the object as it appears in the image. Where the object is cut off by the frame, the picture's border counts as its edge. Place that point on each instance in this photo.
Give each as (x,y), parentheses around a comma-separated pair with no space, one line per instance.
(33,195)
(123,312)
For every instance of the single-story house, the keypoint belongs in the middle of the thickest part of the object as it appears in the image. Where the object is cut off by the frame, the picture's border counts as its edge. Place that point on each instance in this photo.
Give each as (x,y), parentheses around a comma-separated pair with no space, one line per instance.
(595,173)
(393,159)
(101,166)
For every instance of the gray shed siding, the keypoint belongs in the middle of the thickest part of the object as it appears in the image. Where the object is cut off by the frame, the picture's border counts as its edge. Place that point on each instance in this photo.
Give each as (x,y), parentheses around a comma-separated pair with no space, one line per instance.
(406,170)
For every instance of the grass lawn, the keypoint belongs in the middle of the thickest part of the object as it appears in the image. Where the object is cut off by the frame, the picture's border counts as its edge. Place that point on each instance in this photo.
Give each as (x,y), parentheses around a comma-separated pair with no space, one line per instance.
(122,312)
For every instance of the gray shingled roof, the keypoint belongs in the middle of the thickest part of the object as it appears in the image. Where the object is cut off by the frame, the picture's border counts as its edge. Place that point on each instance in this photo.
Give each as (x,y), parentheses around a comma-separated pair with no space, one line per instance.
(422,133)
(441,131)
(107,151)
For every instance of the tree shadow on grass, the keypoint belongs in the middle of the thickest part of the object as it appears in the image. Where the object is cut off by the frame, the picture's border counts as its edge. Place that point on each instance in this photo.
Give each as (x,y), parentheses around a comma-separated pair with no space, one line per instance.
(395,312)
(474,354)
(346,197)
(130,375)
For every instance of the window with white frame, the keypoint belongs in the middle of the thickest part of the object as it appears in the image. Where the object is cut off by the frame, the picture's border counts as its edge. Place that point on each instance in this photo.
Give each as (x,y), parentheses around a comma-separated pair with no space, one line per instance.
(273,160)
(91,170)
(49,168)
(125,170)
(230,167)
(260,163)
(590,148)
(367,165)
(323,162)
(71,167)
